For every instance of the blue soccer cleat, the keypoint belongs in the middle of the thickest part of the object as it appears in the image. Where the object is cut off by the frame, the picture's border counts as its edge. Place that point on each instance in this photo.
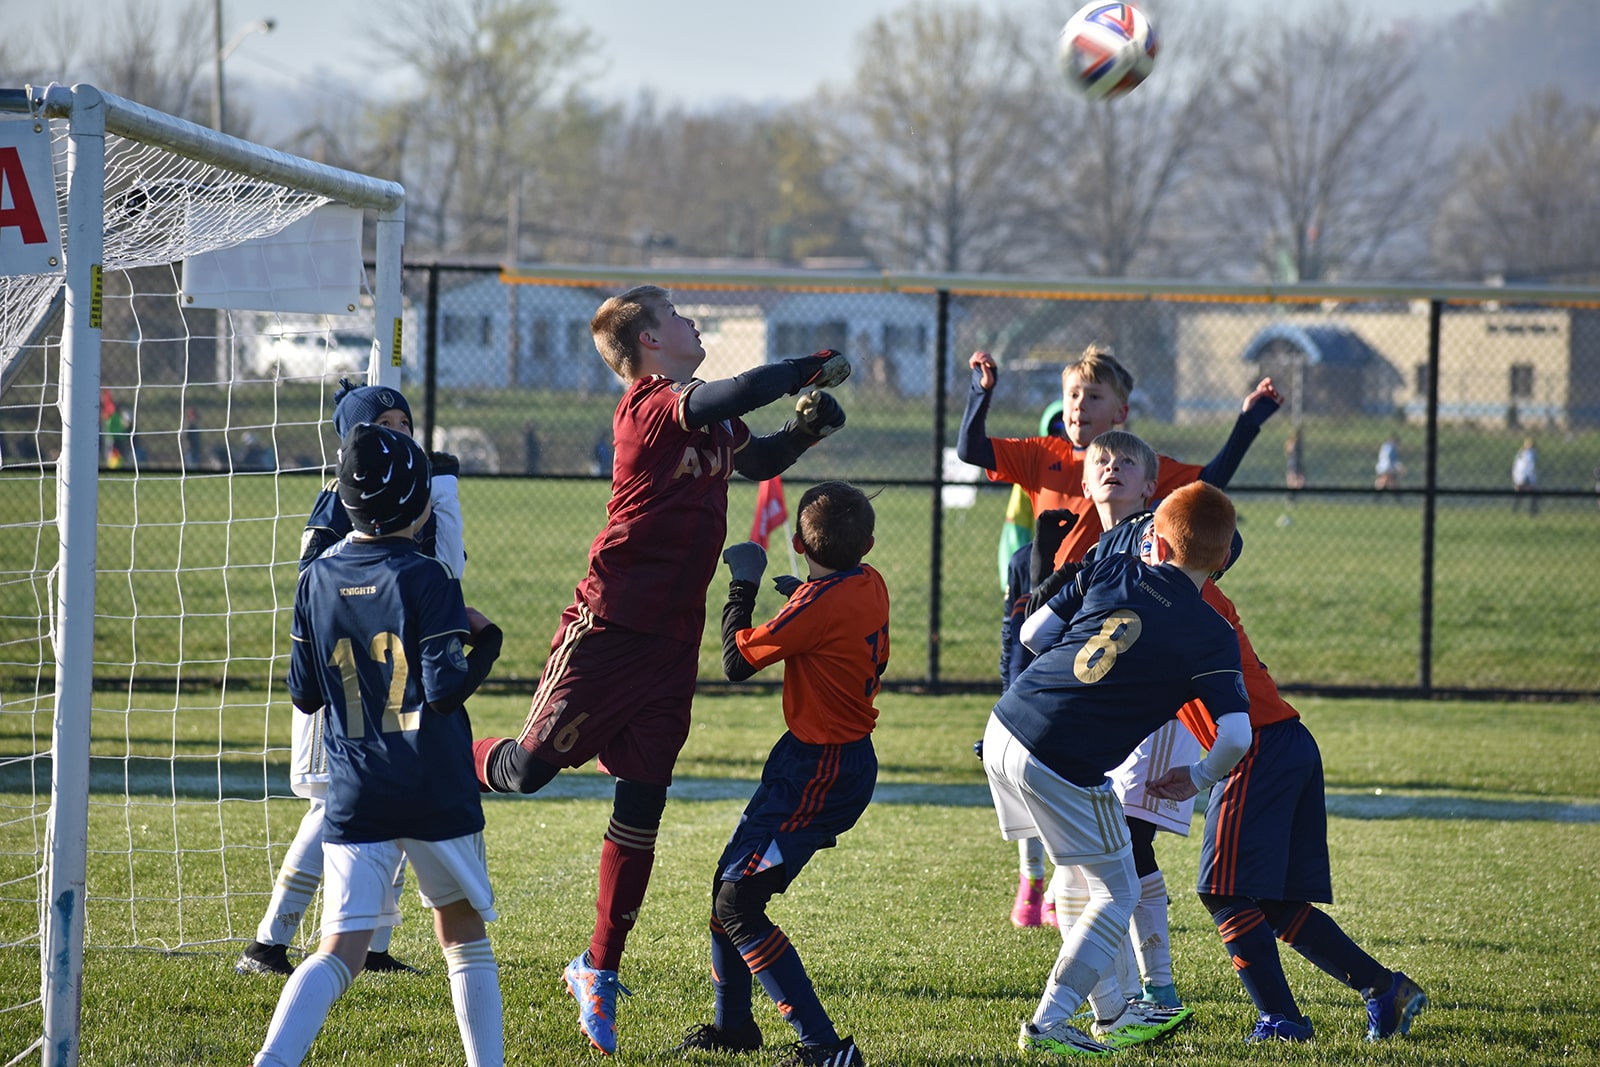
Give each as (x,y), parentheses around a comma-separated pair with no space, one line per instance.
(1276,1027)
(596,993)
(1391,1013)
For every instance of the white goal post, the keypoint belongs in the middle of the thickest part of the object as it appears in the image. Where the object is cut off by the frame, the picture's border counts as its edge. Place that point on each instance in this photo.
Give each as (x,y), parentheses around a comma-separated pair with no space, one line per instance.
(156,440)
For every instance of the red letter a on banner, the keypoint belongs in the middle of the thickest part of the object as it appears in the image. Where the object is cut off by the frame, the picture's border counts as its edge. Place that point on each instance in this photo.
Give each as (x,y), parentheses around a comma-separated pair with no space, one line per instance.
(22,213)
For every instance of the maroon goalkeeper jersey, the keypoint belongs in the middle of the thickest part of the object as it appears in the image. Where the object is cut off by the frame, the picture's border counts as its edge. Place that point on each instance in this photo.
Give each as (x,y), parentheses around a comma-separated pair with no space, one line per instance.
(650,567)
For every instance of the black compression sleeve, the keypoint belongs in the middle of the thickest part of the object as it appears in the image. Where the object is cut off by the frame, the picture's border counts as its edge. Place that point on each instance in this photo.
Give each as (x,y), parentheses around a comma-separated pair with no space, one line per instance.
(973,445)
(729,398)
(736,615)
(771,454)
(1220,471)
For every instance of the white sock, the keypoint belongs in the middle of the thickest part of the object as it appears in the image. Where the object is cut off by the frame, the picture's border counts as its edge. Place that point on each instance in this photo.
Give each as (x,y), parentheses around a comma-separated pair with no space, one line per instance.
(302,1009)
(475,989)
(1089,950)
(1128,971)
(1150,934)
(1030,857)
(297,881)
(384,934)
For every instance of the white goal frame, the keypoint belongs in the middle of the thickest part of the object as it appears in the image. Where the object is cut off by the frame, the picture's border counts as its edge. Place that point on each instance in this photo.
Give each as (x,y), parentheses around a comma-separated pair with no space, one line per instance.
(91,115)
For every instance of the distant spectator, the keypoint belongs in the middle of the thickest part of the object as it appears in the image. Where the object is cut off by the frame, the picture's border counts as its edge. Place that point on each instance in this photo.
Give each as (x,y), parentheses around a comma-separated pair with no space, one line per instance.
(1525,476)
(600,459)
(255,455)
(530,448)
(1389,468)
(117,439)
(191,437)
(1294,471)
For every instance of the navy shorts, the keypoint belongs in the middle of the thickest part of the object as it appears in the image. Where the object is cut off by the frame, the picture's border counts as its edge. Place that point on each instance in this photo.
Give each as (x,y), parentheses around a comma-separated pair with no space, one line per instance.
(613,693)
(1266,833)
(808,796)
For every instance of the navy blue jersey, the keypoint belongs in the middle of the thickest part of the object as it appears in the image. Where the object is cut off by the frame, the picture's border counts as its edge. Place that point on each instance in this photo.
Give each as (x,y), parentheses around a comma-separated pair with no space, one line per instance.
(330,523)
(378,630)
(1142,644)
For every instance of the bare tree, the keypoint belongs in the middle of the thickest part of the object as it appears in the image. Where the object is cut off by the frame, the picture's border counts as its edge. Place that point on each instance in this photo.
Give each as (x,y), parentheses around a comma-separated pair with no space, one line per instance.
(1526,201)
(936,139)
(485,69)
(1328,164)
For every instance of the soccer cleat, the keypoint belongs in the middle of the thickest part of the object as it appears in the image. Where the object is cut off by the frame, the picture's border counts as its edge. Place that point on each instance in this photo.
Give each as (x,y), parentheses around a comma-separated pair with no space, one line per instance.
(596,993)
(1391,1013)
(709,1037)
(1161,996)
(261,958)
(1030,901)
(1276,1027)
(840,1053)
(1061,1039)
(1047,913)
(383,963)
(1138,1023)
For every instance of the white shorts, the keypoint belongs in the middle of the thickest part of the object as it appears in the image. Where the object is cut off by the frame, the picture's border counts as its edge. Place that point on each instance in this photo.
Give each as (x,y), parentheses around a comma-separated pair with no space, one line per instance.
(1172,745)
(357,880)
(1077,825)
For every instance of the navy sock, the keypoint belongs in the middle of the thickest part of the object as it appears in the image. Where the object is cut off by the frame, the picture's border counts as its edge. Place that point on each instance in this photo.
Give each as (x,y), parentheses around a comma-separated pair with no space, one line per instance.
(1313,933)
(731,977)
(776,965)
(1252,947)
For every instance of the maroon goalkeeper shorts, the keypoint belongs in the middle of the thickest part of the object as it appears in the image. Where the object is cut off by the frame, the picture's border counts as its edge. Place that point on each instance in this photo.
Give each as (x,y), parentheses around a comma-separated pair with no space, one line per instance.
(612,693)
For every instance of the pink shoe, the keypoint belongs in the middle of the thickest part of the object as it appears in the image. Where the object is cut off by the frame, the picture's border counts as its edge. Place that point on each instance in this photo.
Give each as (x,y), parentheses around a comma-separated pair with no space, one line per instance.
(1030,900)
(1047,914)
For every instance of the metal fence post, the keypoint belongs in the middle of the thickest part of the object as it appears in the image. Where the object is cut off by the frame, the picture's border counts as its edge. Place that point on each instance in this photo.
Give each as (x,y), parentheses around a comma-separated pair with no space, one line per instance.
(941,359)
(1430,502)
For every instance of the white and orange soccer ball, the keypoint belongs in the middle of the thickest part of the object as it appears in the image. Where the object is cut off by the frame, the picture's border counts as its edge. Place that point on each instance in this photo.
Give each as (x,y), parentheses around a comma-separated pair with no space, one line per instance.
(1105,50)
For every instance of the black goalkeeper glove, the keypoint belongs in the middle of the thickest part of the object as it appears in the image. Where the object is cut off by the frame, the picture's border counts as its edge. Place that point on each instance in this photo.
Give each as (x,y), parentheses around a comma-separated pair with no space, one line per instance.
(823,369)
(817,414)
(746,560)
(443,463)
(1050,530)
(786,584)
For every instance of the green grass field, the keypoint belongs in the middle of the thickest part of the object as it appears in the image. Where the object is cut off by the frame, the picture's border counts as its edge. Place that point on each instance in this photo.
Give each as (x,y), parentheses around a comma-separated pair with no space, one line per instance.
(1464,839)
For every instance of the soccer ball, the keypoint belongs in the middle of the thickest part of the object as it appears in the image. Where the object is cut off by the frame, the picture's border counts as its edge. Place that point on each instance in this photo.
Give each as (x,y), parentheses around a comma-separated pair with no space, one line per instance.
(1105,50)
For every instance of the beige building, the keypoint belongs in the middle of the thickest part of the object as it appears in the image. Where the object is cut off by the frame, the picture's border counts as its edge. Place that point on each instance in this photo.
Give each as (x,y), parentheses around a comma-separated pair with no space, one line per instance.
(1495,364)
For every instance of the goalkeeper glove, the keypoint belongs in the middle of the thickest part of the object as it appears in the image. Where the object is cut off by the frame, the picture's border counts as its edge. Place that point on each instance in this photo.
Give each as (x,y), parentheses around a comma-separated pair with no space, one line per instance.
(1052,529)
(817,414)
(823,369)
(746,560)
(786,584)
(443,463)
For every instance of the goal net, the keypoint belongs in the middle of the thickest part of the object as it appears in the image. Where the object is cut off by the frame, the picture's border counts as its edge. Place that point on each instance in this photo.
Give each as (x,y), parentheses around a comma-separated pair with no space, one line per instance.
(166,383)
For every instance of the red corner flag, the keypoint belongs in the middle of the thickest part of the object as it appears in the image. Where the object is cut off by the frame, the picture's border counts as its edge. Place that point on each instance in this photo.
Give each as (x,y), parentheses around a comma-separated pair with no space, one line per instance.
(771,512)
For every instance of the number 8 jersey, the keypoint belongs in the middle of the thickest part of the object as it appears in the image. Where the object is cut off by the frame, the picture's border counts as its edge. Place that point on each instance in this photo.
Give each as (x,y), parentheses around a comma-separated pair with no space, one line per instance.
(1142,644)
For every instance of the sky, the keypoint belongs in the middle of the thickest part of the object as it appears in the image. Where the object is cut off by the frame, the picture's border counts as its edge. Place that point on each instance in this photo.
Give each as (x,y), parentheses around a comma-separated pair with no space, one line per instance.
(690,52)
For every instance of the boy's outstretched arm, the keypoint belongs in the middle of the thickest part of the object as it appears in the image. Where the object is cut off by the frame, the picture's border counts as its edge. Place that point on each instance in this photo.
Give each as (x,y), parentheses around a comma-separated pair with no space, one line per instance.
(1258,408)
(973,445)
(816,415)
(746,561)
(728,398)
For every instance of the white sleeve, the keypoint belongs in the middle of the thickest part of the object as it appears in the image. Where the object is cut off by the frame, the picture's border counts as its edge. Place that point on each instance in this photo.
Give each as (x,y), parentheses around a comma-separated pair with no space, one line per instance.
(448,544)
(1233,741)
(1042,630)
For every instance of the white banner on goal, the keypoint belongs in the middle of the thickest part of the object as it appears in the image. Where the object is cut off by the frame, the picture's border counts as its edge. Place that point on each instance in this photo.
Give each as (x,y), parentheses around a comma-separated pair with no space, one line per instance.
(313,266)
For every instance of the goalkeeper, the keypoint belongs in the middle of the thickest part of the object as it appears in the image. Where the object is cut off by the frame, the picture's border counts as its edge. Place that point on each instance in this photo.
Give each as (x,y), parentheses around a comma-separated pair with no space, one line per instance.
(621,674)
(328,525)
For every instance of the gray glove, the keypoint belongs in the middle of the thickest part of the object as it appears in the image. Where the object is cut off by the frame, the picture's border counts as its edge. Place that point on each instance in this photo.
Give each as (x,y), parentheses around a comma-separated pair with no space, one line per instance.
(786,584)
(746,560)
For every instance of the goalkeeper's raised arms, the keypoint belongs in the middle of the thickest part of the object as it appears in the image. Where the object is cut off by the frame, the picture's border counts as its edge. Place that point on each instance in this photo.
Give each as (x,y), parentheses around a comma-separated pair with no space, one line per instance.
(746,561)
(820,370)
(817,414)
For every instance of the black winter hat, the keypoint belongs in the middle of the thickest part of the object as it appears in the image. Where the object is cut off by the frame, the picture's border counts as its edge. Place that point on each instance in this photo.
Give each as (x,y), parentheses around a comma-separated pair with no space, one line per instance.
(383,479)
(364,403)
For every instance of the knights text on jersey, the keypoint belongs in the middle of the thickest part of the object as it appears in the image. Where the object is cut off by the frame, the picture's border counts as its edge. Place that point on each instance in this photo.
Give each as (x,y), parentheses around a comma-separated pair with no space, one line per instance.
(378,630)
(833,639)
(650,566)
(1142,644)
(1050,471)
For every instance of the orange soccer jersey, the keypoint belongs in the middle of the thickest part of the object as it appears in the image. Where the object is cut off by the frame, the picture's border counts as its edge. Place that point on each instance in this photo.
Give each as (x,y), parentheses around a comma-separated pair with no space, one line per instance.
(1266,705)
(1050,471)
(833,639)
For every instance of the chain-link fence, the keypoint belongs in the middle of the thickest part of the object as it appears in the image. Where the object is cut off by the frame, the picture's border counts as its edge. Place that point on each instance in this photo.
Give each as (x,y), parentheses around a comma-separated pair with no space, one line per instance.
(1388,547)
